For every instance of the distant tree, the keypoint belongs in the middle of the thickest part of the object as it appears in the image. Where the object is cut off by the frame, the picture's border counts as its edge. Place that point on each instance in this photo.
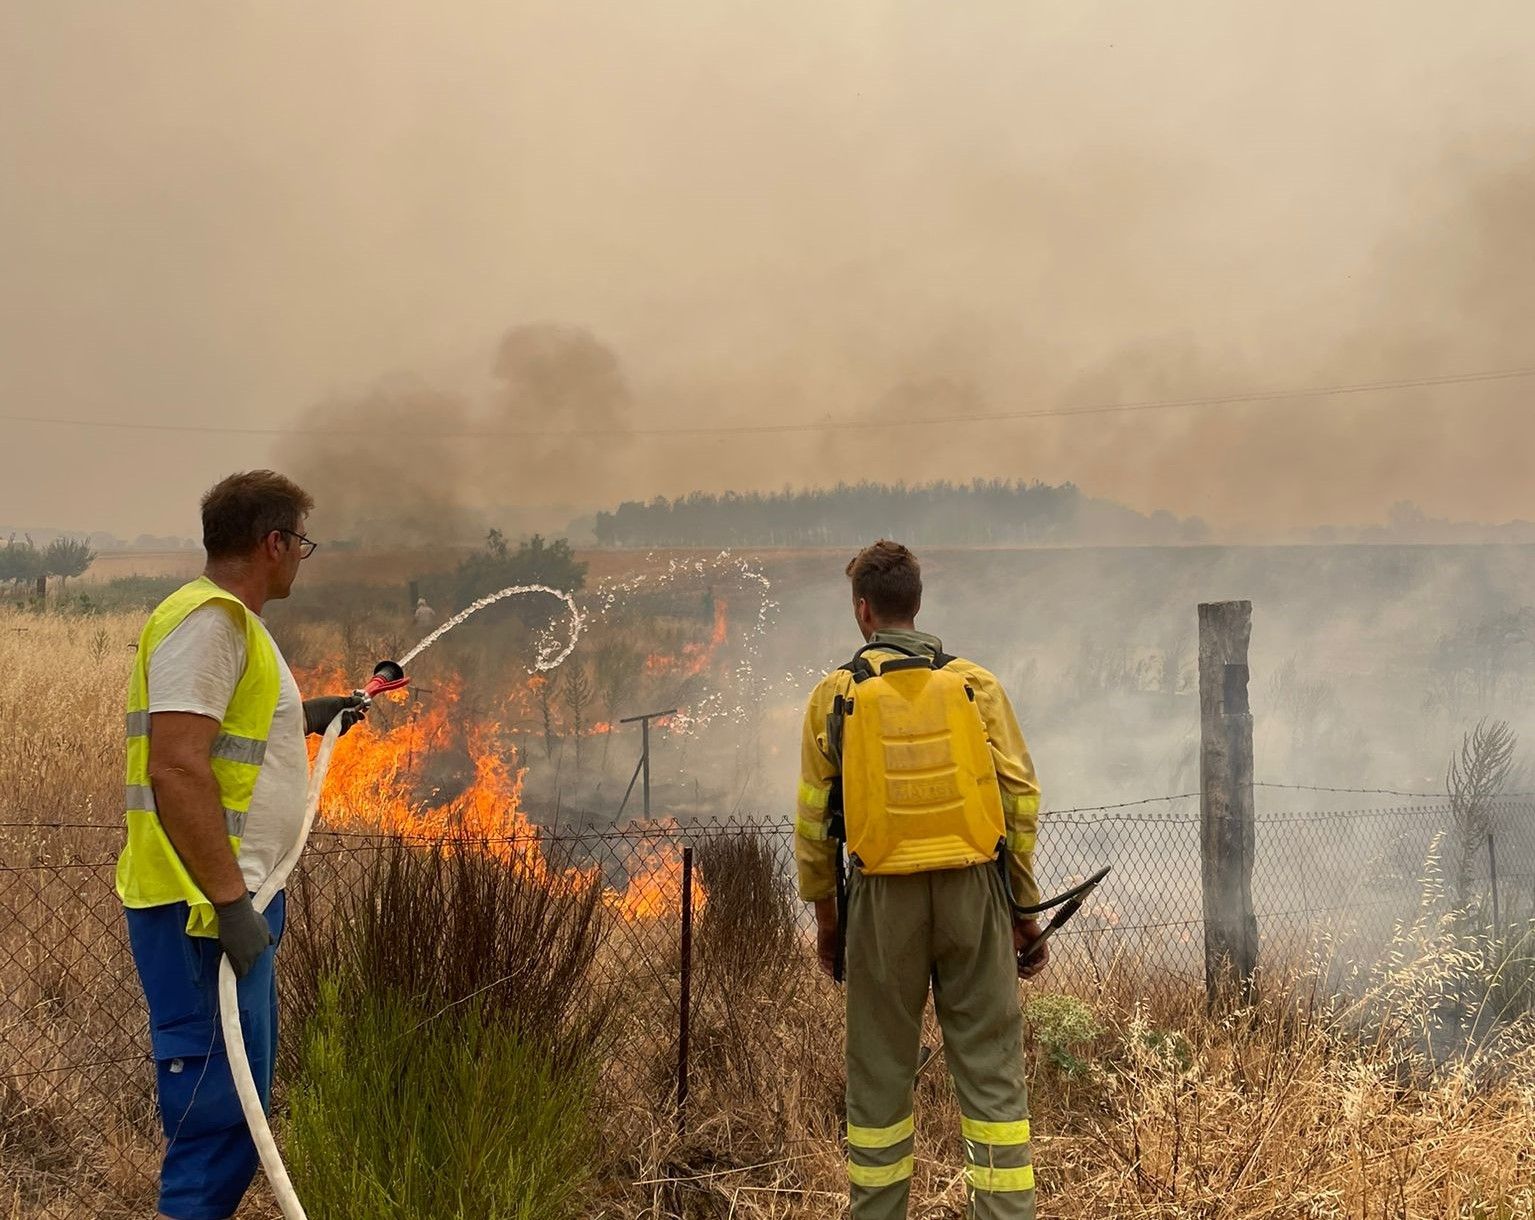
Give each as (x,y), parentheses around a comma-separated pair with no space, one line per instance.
(534,562)
(618,664)
(1484,662)
(20,561)
(543,692)
(66,557)
(576,691)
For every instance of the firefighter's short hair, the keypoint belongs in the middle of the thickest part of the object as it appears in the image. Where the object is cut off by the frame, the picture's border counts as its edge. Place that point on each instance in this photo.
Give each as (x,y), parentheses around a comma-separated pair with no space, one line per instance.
(889,578)
(241,510)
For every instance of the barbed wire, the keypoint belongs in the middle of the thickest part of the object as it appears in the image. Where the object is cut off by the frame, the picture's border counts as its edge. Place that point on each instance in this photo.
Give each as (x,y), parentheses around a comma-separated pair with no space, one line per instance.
(1425,796)
(1060,814)
(1295,817)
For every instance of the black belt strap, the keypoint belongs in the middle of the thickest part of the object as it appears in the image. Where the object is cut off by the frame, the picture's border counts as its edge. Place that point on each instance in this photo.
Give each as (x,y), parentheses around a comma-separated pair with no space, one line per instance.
(836,829)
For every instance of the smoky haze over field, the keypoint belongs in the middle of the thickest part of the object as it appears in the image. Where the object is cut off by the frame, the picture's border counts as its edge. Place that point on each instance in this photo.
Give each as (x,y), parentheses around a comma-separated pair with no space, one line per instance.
(332,216)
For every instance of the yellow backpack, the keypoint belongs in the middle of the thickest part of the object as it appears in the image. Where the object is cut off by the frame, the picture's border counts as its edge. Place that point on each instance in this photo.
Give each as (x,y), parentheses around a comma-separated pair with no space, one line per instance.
(919,790)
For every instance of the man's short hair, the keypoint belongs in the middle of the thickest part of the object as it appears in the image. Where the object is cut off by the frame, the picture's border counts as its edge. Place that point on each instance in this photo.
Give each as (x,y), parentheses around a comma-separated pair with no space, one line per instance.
(889,578)
(238,512)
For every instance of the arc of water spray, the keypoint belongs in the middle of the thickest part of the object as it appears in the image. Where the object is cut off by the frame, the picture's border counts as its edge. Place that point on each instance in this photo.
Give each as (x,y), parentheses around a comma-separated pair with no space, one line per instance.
(545,660)
(712,704)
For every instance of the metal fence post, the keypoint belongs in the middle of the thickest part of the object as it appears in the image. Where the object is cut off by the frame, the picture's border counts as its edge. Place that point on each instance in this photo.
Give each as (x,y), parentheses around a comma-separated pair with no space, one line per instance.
(643,766)
(1227,843)
(684,1003)
(1492,872)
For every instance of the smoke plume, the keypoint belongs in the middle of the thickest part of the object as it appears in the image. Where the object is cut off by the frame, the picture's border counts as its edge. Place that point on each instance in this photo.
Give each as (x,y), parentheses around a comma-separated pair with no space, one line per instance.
(791,213)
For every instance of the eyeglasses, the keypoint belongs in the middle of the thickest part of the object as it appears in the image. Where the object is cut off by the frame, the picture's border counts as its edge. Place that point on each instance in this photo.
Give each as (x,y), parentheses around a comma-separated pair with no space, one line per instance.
(306,547)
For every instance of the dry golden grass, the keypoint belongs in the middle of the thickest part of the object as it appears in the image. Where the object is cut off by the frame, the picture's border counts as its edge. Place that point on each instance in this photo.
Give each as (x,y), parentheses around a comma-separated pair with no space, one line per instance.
(1273,1113)
(67,991)
(1294,1109)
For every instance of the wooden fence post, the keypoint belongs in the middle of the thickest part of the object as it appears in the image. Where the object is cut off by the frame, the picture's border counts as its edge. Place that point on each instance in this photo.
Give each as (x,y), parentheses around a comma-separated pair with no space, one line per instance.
(1226,801)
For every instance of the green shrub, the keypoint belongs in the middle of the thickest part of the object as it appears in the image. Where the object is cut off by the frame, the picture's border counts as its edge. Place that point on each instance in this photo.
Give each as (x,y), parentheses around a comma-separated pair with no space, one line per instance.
(453,1034)
(1166,1046)
(1060,1023)
(400,1115)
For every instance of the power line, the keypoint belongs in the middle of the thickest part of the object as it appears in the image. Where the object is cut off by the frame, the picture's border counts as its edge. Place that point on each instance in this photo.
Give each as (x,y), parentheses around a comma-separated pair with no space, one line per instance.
(824,425)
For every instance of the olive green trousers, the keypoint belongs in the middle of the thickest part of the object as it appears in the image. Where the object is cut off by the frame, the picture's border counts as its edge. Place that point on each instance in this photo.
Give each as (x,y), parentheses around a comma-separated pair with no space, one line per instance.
(952,929)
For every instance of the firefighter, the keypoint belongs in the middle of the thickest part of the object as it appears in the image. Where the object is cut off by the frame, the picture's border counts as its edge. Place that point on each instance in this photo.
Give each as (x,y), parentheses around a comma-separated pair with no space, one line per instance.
(216,779)
(914,760)
(425,618)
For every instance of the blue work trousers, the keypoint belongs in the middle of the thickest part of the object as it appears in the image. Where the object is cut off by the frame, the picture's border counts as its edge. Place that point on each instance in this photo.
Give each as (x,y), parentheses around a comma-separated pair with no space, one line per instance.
(209,1156)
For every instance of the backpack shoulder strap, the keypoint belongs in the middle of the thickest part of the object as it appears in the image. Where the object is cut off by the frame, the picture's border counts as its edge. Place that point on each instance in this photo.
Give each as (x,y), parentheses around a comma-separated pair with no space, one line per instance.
(943,660)
(862,668)
(859,667)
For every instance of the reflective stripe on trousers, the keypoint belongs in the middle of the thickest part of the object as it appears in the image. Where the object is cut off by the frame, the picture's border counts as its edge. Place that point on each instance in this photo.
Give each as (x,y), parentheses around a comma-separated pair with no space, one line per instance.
(879,1157)
(997,1155)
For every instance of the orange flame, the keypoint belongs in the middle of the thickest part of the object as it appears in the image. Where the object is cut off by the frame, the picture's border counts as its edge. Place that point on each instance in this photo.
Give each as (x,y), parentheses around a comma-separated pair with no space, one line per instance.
(377,782)
(655,887)
(695,657)
(399,777)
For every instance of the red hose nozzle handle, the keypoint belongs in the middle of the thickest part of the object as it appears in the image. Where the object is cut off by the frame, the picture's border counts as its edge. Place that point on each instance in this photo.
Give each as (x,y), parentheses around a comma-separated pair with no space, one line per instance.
(387,675)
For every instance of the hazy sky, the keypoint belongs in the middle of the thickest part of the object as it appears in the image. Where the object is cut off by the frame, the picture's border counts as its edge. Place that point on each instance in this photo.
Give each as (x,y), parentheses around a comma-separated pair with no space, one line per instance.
(272,214)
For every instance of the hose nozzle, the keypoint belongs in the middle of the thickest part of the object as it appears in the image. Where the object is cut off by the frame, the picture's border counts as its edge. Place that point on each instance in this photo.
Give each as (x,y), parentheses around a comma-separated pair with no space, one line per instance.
(387,675)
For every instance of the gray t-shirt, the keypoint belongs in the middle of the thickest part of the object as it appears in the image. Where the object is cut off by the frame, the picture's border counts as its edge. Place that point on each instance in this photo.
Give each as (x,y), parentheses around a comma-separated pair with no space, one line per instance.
(196,669)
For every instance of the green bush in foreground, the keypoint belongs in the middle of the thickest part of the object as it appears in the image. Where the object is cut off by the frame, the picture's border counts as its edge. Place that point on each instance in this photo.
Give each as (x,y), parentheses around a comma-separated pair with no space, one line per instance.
(401,1115)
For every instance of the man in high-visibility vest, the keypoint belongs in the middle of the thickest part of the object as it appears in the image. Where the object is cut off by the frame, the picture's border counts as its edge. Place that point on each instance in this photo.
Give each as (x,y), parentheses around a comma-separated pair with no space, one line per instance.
(915,759)
(217,774)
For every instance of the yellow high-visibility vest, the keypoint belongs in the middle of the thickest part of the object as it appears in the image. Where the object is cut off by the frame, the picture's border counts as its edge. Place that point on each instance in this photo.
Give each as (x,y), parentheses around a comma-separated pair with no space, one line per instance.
(149,872)
(919,790)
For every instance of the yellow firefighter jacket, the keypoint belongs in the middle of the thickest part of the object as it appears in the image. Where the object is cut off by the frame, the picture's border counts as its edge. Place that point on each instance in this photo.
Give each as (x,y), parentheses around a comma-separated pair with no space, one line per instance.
(816,851)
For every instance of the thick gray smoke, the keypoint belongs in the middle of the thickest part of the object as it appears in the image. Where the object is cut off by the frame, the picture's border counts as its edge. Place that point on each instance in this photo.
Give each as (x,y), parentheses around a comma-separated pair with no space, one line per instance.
(408,465)
(1448,294)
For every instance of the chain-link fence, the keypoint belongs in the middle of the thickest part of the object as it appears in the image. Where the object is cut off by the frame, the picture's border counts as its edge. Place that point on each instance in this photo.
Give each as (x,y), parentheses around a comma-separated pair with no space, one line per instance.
(78,1128)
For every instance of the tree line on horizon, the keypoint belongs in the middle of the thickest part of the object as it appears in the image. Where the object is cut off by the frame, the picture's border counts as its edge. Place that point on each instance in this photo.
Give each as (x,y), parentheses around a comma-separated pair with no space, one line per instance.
(979,513)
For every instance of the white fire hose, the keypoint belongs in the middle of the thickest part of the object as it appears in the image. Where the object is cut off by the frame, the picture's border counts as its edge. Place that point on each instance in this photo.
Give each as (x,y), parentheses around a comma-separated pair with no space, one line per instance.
(390,678)
(229,1000)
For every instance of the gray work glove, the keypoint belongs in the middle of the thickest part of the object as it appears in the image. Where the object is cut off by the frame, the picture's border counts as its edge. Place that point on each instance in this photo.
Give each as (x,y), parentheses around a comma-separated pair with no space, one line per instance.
(319,712)
(243,933)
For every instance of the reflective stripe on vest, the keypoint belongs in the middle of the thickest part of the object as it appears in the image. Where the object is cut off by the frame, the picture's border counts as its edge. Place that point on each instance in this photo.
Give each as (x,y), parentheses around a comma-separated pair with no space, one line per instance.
(141,798)
(149,873)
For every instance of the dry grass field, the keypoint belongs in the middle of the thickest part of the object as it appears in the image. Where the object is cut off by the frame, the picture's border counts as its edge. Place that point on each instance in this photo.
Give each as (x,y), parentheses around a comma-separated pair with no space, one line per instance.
(1307,1105)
